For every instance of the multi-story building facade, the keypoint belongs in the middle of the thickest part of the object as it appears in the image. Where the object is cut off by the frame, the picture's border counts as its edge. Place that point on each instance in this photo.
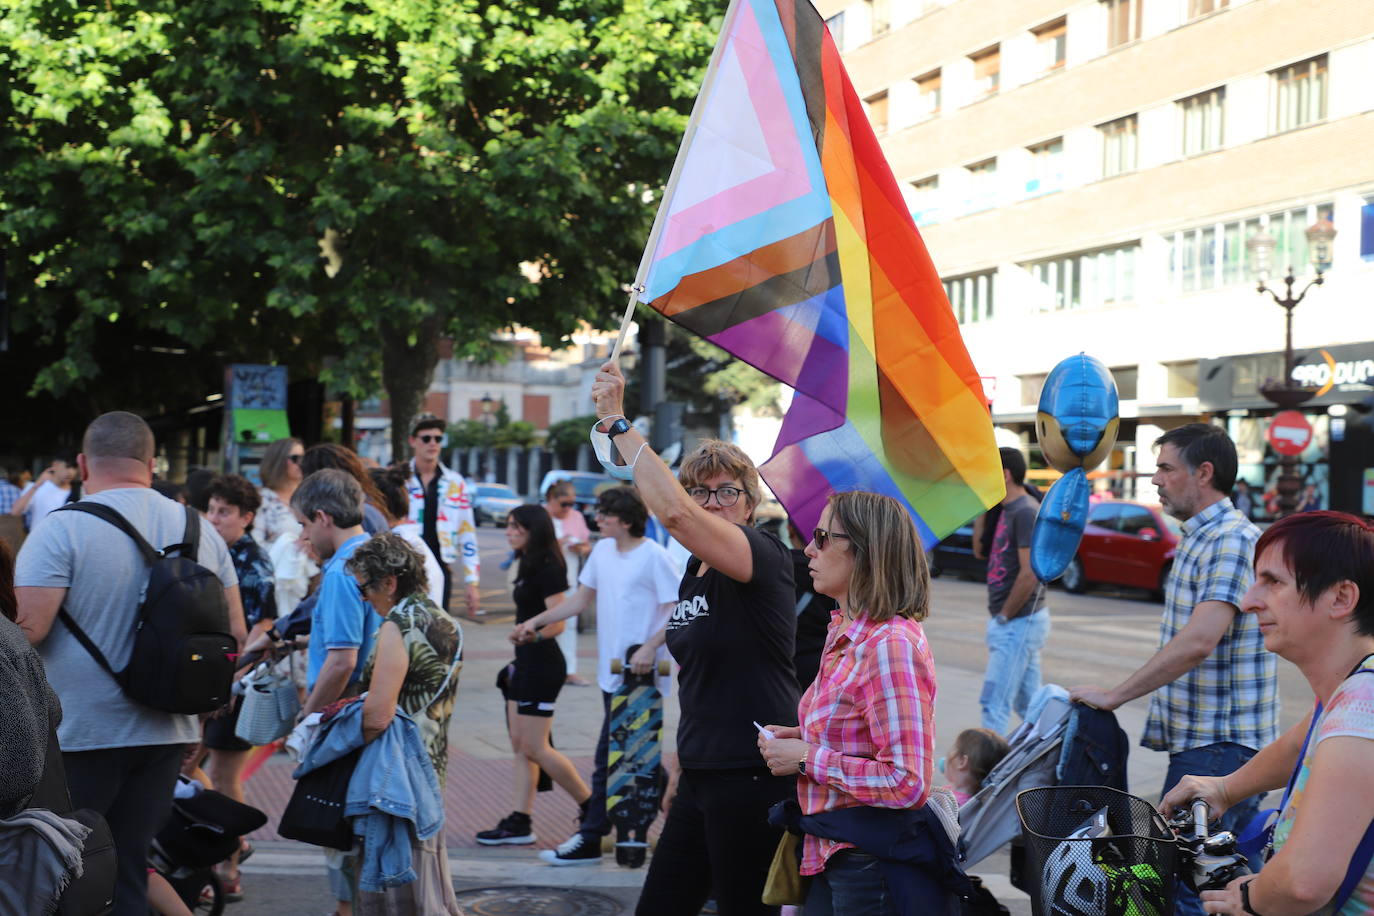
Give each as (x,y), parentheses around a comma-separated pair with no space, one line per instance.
(1086,175)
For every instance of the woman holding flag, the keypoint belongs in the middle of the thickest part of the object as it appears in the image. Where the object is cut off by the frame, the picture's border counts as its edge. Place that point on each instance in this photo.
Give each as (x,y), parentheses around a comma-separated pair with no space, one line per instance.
(732,633)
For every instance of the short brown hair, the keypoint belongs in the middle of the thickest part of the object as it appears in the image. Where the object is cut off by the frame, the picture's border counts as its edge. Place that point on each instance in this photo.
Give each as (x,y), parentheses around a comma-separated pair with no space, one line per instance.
(890,577)
(233,490)
(712,458)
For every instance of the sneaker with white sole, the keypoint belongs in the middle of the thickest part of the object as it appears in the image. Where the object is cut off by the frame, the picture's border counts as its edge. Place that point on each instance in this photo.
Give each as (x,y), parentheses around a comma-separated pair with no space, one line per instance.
(578,849)
(515,829)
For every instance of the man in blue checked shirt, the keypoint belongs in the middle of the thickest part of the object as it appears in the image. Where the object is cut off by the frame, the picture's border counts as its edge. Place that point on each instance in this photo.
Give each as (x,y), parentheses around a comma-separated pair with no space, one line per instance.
(1216,692)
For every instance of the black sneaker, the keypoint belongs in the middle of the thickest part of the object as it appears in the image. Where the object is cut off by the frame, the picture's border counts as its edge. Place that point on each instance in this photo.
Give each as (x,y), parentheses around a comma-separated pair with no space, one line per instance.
(515,829)
(578,849)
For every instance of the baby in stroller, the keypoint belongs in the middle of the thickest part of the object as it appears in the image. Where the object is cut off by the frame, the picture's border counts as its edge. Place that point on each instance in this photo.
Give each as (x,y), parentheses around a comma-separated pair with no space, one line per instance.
(204,829)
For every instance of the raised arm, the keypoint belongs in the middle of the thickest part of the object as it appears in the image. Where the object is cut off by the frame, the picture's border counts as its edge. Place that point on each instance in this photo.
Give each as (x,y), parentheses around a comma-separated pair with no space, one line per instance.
(716,541)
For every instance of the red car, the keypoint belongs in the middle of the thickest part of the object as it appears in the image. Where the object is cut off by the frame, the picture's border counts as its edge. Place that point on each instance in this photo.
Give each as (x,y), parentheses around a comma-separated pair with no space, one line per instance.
(1124,543)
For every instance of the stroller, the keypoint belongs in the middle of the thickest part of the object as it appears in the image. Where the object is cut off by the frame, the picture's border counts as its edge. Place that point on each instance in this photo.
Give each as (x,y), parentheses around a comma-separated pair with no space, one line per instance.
(1059,744)
(204,829)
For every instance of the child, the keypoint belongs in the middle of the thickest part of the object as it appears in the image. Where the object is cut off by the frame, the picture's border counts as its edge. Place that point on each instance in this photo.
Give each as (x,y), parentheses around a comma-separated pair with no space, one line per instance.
(975,752)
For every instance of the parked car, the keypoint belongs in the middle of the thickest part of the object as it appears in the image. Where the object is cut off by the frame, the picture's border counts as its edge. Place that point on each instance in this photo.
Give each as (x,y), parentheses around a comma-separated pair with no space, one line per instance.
(1125,543)
(493,503)
(587,485)
(954,554)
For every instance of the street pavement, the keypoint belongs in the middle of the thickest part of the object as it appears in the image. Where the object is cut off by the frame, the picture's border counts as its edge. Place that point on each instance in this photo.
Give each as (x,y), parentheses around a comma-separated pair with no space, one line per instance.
(1097,638)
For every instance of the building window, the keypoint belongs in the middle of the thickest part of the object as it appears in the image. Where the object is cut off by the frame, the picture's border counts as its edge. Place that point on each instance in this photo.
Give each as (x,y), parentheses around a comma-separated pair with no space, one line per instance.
(1198,8)
(880,15)
(1367,230)
(1202,116)
(1193,260)
(835,25)
(877,112)
(1031,386)
(1127,380)
(923,198)
(928,94)
(1119,143)
(1182,379)
(1051,40)
(1289,229)
(1123,21)
(1235,257)
(987,70)
(971,297)
(982,184)
(1086,280)
(1047,166)
(1299,94)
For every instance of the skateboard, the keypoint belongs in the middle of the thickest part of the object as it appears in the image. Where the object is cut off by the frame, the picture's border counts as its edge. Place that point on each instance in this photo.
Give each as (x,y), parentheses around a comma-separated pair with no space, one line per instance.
(634,779)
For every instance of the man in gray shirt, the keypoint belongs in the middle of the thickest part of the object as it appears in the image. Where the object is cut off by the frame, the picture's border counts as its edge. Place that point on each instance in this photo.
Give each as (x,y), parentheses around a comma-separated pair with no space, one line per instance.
(121,757)
(1019,622)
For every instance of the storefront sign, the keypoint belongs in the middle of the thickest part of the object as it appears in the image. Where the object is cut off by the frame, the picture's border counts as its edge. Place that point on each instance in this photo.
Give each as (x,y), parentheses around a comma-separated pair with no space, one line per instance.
(1341,374)
(1328,374)
(1289,433)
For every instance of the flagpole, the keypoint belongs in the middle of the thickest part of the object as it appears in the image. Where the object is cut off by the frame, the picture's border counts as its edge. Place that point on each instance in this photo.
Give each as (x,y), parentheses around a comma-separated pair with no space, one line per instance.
(660,217)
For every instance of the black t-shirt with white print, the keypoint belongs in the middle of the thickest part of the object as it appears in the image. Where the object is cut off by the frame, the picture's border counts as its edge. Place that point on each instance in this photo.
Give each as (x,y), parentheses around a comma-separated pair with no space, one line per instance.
(734,641)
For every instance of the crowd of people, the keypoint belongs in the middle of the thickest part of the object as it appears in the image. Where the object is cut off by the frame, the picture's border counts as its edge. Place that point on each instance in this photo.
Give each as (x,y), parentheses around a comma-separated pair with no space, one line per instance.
(805,683)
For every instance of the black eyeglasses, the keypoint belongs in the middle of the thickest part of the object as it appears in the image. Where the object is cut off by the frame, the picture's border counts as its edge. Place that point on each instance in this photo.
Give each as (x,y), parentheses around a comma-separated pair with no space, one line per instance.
(294,459)
(822,537)
(568,505)
(725,496)
(363,588)
(430,439)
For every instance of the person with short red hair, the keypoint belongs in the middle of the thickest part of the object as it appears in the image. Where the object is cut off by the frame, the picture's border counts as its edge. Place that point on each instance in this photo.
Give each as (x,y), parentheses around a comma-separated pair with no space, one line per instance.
(1313,598)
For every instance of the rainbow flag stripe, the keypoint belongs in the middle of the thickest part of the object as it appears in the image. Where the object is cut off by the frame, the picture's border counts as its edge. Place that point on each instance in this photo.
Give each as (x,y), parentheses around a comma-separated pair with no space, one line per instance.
(784,239)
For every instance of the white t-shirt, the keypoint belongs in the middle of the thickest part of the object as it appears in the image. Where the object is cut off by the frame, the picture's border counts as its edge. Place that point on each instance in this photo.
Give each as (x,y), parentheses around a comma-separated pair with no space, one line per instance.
(631,589)
(48,497)
(410,532)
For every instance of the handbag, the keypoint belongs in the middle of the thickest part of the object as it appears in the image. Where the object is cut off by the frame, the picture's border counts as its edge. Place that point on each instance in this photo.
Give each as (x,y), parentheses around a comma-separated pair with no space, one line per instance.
(315,813)
(270,705)
(785,884)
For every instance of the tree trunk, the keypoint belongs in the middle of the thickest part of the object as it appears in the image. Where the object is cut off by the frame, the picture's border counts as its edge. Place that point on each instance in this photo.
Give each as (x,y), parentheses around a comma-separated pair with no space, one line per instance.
(407,370)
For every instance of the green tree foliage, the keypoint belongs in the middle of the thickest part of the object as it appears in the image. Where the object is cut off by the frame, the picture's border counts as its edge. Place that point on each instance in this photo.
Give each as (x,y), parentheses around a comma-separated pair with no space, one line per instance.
(293,180)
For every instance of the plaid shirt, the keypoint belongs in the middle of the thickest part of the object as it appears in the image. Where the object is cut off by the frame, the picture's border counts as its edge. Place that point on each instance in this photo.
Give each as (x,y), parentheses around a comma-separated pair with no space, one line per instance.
(870,720)
(1233,695)
(9,495)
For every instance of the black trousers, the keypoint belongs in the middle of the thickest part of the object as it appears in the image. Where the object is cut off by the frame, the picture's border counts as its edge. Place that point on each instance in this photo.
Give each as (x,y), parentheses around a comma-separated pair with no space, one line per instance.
(717,843)
(132,787)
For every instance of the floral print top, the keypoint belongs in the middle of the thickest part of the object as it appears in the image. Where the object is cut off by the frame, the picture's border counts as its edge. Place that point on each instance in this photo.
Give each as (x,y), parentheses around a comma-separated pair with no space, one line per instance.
(433,641)
(257,585)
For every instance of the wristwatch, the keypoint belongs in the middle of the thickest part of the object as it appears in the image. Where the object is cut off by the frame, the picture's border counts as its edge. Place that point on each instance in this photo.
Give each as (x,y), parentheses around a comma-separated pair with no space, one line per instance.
(801,766)
(621,425)
(1245,899)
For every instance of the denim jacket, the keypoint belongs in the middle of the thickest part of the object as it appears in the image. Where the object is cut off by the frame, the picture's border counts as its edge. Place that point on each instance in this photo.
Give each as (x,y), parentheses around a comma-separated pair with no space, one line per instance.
(393,797)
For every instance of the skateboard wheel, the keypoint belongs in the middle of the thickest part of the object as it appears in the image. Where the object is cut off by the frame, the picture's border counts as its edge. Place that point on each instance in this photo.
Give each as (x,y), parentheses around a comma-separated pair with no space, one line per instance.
(617,666)
(664,668)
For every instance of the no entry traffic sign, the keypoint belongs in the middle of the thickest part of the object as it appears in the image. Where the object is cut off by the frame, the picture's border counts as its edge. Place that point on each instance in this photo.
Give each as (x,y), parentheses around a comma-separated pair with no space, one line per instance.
(1289,432)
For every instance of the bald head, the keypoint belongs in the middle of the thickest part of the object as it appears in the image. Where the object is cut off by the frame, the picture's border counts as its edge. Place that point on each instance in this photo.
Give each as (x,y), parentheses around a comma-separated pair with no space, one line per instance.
(117,451)
(118,434)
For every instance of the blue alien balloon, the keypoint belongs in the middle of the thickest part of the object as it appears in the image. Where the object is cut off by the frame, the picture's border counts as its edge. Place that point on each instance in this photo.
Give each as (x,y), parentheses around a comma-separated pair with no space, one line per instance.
(1059,525)
(1077,419)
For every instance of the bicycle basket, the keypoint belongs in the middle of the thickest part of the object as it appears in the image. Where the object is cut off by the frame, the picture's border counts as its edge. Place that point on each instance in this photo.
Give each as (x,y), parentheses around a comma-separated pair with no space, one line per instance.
(1096,852)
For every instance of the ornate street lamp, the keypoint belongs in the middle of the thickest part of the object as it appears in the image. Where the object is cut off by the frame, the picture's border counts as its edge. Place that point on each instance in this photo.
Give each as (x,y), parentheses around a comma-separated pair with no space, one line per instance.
(1284,393)
(488,411)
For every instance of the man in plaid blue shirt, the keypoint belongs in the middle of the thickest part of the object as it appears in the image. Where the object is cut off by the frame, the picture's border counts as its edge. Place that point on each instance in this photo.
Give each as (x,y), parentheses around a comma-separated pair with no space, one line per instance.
(1216,692)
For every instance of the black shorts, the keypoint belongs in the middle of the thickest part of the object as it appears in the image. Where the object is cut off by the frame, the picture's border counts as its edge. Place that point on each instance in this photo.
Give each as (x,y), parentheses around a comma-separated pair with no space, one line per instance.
(534,679)
(219,731)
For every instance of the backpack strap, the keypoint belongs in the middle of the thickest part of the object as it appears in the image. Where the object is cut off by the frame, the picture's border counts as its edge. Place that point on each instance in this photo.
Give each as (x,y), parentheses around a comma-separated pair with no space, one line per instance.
(100,510)
(190,545)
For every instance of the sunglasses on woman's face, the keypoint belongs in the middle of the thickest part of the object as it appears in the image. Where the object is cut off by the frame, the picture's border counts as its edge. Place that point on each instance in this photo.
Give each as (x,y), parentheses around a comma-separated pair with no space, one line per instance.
(295,459)
(822,537)
(568,505)
(363,588)
(428,440)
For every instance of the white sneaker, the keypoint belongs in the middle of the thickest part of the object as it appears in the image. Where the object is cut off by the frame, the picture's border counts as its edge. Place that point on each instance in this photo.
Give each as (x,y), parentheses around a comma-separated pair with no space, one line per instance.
(575,850)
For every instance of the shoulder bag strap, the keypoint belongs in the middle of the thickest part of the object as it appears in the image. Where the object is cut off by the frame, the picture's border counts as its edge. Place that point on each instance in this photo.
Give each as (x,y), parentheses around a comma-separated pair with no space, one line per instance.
(1364,853)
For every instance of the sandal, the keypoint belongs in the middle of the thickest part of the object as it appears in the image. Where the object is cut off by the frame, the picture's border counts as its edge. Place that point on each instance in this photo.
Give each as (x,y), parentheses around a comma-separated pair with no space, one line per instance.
(233,890)
(245,851)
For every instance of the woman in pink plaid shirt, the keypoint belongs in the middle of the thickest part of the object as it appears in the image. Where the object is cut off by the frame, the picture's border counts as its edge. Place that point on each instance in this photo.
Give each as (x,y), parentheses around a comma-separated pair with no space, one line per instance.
(867,723)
